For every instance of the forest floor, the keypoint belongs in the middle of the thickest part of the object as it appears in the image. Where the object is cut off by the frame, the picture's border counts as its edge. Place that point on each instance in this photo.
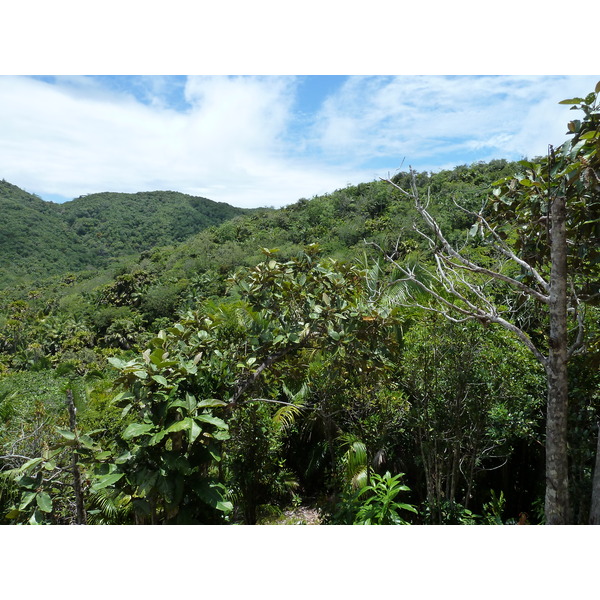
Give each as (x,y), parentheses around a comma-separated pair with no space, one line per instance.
(299,515)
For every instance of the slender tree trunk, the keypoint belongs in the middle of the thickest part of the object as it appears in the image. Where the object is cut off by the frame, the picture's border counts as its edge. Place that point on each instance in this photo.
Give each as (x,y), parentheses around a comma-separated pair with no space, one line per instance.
(557,477)
(595,508)
(454,476)
(426,470)
(81,517)
(470,481)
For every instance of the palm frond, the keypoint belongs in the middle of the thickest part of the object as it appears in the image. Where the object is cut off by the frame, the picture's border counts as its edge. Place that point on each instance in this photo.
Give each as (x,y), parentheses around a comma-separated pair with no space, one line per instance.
(109,507)
(286,416)
(354,460)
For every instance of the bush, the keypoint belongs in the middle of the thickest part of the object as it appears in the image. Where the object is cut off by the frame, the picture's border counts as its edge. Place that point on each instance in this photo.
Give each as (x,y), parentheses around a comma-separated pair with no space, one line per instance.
(375,503)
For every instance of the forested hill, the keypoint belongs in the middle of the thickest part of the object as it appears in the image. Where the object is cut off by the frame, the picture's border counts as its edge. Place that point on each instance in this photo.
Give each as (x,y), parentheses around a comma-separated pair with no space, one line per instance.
(34,237)
(116,224)
(83,252)
(39,238)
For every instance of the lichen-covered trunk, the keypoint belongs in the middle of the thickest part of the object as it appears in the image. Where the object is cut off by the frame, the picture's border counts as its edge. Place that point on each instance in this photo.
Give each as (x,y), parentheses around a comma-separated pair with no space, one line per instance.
(557,478)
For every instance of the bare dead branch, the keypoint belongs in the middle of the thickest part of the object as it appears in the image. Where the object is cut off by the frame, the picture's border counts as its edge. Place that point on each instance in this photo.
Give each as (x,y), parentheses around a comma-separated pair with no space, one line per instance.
(473,303)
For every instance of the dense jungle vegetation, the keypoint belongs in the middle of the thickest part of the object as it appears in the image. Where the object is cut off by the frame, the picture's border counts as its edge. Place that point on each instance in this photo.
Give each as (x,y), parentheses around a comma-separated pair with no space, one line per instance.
(168,359)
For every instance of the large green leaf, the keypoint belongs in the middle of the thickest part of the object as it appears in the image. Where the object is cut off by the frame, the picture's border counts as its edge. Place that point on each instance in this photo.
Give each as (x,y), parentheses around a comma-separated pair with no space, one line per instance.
(87,442)
(211,403)
(127,395)
(30,483)
(212,494)
(105,481)
(212,420)
(224,506)
(26,499)
(117,363)
(136,429)
(157,437)
(189,403)
(195,431)
(31,463)
(571,101)
(66,434)
(180,425)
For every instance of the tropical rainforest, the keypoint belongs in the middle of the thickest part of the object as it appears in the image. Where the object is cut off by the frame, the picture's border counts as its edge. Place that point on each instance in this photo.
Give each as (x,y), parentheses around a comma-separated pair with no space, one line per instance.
(421,350)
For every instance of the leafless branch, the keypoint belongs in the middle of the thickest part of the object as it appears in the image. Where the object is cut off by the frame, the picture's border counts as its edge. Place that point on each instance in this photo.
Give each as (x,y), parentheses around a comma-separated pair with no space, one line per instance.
(473,303)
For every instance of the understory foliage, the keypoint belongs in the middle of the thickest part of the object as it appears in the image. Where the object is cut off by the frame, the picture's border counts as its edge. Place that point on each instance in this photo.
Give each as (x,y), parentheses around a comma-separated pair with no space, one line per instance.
(296,383)
(216,379)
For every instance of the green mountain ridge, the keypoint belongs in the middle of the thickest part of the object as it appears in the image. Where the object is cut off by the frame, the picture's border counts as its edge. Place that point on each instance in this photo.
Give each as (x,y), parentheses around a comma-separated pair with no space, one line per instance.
(34,238)
(39,238)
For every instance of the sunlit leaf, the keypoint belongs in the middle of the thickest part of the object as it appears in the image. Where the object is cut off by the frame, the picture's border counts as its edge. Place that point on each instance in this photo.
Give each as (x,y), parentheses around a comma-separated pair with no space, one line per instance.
(136,429)
(27,499)
(160,379)
(106,481)
(44,502)
(212,420)
(66,434)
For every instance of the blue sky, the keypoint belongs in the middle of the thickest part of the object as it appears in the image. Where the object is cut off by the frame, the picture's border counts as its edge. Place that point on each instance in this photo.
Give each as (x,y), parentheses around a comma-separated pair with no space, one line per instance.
(266,140)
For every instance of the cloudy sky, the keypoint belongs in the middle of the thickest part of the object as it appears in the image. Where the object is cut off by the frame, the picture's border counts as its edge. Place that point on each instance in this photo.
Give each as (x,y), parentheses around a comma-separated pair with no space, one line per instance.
(265,140)
(298,129)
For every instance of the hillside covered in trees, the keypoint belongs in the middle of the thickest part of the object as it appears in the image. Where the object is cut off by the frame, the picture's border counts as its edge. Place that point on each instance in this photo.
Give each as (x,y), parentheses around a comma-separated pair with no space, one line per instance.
(379,354)
(39,238)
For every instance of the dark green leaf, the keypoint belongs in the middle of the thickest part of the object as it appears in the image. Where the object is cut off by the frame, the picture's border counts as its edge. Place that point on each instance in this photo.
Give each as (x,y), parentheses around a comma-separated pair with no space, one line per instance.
(29,483)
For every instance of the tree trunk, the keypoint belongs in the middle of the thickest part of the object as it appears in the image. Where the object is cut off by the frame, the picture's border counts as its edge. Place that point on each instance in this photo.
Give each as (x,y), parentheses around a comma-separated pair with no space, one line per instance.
(81,516)
(595,509)
(557,478)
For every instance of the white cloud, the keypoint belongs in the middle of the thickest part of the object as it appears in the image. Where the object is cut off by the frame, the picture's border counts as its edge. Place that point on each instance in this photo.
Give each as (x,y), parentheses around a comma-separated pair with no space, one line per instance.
(424,117)
(230,144)
(237,139)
